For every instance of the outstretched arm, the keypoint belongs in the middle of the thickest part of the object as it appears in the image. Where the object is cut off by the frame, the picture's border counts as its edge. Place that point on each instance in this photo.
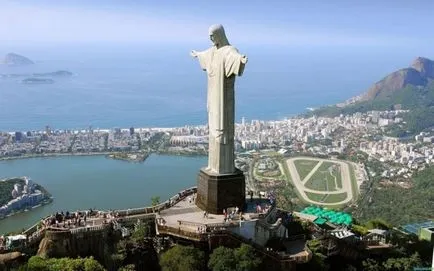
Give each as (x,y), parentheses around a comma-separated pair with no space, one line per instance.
(244,59)
(203,57)
(194,53)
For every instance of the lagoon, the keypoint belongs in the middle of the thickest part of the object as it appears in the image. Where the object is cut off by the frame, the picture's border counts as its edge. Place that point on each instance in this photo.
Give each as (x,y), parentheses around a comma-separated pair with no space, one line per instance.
(83,182)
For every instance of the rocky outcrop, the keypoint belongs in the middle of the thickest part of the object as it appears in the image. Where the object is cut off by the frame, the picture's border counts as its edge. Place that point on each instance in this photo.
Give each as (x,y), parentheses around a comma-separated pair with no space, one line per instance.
(424,66)
(58,244)
(393,82)
(15,59)
(11,260)
(419,74)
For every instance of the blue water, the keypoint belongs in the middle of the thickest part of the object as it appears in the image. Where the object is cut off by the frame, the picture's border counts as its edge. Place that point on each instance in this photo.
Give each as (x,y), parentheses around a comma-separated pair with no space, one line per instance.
(150,86)
(97,182)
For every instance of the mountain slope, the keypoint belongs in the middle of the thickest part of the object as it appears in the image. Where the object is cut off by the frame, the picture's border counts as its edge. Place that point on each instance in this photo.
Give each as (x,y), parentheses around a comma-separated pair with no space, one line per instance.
(409,88)
(419,74)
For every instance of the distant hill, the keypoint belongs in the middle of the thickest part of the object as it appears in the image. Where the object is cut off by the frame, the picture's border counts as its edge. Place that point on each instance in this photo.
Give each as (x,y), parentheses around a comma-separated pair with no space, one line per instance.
(419,74)
(409,88)
(15,59)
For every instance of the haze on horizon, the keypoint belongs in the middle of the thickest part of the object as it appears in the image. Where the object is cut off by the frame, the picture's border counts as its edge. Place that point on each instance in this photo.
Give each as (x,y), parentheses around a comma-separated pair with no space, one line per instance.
(398,28)
(283,23)
(309,53)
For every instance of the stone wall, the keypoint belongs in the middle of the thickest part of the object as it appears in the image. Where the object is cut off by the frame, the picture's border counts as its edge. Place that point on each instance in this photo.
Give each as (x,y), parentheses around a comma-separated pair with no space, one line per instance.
(84,242)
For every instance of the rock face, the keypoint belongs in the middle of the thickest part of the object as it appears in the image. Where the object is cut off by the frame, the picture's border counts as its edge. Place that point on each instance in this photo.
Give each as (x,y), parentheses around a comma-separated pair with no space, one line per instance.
(59,244)
(11,260)
(15,59)
(424,66)
(419,74)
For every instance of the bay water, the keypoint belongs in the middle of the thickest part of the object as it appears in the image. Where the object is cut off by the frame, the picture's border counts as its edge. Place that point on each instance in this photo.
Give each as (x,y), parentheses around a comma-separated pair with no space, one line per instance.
(83,182)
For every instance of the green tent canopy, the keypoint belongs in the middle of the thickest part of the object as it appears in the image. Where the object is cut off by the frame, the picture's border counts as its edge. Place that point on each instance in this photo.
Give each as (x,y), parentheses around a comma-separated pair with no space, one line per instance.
(325,214)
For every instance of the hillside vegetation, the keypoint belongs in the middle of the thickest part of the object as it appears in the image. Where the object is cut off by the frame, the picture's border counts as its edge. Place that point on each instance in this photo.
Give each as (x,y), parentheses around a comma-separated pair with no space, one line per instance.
(6,188)
(410,88)
(400,206)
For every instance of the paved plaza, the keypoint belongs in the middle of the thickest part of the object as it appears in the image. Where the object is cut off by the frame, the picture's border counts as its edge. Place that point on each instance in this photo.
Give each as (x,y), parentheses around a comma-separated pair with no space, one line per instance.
(187,216)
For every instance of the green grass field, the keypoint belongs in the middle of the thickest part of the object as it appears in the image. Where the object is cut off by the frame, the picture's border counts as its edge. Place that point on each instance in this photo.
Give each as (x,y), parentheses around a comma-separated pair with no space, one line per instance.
(334,198)
(322,180)
(328,198)
(304,167)
(315,197)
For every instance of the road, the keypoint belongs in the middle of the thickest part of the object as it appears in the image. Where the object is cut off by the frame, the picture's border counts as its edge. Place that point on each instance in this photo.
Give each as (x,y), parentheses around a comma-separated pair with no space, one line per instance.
(299,184)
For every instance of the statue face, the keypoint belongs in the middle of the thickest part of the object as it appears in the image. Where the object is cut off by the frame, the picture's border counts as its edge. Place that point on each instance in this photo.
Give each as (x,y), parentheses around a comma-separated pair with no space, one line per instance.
(217,36)
(213,39)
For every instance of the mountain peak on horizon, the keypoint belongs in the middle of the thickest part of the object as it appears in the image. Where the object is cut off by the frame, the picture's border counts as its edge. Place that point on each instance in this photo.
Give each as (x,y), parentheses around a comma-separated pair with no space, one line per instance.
(425,66)
(418,74)
(16,59)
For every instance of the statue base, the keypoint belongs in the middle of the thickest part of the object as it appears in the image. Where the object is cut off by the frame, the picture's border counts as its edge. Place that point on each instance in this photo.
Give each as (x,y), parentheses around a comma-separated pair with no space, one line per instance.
(216,192)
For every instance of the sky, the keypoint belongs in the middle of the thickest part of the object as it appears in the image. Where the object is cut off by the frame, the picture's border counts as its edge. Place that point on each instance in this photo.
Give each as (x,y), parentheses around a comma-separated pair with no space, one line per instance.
(261,23)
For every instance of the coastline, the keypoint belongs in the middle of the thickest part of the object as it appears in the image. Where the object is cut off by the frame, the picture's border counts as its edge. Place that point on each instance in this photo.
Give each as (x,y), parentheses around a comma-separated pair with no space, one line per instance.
(27,209)
(94,154)
(53,155)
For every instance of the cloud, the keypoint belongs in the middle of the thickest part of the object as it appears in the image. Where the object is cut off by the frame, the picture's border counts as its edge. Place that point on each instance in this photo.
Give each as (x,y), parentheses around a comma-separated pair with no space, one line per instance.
(51,24)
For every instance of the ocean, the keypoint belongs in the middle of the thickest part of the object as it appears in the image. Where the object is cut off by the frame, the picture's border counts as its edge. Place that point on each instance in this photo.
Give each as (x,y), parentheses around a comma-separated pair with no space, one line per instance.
(120,86)
(157,86)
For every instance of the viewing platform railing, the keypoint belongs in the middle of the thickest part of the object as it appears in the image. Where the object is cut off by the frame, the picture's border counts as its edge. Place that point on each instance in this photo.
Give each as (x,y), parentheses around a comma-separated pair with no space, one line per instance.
(33,233)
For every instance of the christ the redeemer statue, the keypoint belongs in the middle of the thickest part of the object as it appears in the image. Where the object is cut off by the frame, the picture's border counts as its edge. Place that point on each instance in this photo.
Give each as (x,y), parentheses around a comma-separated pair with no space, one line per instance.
(222,62)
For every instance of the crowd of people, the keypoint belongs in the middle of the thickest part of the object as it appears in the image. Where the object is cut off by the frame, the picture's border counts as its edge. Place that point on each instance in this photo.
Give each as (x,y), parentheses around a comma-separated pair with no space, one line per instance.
(70,219)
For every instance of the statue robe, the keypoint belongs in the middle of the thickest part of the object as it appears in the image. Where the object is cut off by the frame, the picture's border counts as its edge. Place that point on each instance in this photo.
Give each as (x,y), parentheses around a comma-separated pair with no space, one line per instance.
(222,65)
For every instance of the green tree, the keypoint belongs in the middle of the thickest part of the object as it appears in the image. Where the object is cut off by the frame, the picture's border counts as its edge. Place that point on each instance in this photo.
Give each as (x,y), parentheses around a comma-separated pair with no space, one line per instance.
(155,200)
(37,263)
(378,224)
(222,259)
(246,258)
(358,229)
(130,267)
(402,263)
(393,264)
(141,231)
(182,258)
(92,265)
(371,265)
(240,259)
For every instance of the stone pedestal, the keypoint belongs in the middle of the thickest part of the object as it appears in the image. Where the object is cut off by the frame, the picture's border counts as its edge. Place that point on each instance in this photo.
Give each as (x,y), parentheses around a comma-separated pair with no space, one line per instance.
(216,192)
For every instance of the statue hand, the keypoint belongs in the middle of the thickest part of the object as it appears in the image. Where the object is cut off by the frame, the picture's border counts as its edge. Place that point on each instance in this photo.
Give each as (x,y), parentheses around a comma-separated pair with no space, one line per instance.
(244,59)
(193,53)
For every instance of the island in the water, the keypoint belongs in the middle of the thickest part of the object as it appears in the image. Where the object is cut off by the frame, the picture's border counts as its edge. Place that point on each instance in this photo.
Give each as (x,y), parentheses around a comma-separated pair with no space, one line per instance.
(59,73)
(15,59)
(130,157)
(34,81)
(21,194)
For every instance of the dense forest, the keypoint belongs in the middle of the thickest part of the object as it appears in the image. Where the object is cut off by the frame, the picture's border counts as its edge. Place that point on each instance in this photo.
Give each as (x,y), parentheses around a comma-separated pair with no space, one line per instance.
(398,205)
(6,188)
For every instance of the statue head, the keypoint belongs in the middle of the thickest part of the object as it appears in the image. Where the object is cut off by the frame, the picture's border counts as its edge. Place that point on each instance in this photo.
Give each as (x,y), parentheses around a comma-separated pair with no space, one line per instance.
(218,36)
